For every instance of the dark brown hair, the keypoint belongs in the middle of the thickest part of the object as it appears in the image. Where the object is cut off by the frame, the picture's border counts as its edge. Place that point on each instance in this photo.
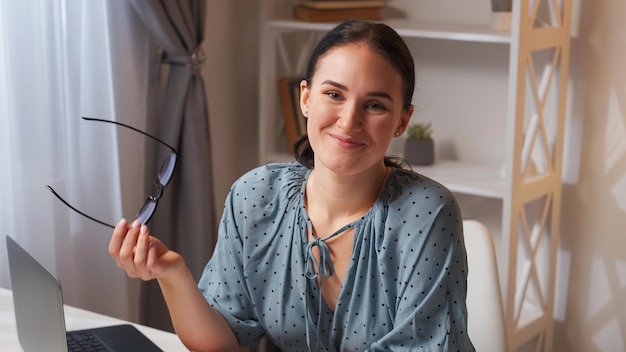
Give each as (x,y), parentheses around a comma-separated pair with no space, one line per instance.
(383,40)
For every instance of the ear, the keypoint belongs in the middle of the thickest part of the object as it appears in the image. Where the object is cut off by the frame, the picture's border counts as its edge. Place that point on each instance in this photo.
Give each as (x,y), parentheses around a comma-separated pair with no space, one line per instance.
(405,118)
(305,94)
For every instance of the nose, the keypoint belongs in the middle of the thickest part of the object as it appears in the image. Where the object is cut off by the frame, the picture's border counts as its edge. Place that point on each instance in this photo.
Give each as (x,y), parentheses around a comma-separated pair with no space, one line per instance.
(349,119)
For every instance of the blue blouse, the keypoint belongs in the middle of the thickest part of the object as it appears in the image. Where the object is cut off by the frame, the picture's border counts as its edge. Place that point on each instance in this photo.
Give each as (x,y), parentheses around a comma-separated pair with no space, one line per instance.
(404,289)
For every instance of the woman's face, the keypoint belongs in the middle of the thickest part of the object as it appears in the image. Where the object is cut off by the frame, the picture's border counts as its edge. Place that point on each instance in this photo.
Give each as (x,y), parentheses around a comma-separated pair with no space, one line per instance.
(354,107)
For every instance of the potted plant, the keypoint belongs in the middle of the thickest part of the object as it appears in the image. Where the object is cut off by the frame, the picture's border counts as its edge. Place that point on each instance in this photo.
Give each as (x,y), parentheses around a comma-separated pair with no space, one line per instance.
(419,147)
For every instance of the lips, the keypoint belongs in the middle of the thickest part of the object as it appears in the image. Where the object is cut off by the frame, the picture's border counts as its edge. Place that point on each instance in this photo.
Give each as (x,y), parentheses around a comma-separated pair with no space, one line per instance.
(347,142)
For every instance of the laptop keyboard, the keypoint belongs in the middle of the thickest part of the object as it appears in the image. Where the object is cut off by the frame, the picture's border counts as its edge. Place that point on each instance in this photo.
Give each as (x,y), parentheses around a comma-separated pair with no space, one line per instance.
(84,341)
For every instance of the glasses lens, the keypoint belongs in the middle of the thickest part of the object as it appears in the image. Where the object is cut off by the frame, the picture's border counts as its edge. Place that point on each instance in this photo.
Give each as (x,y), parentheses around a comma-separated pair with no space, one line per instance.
(146,211)
(167,169)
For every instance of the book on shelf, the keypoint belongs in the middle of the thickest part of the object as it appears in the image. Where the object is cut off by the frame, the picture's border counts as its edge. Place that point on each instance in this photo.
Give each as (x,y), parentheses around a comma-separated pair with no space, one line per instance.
(341,4)
(295,122)
(308,14)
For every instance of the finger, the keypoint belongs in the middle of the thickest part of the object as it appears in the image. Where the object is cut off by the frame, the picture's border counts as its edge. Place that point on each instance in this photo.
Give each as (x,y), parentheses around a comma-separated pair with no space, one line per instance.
(116,240)
(127,249)
(149,272)
(152,261)
(141,249)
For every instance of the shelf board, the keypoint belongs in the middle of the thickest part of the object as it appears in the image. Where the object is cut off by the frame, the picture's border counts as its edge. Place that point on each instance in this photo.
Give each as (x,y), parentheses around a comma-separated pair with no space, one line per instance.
(450,31)
(413,29)
(465,178)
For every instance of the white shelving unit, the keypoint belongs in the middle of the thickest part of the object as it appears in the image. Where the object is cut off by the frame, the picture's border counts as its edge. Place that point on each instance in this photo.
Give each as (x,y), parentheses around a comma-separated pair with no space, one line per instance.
(406,28)
(467,178)
(525,179)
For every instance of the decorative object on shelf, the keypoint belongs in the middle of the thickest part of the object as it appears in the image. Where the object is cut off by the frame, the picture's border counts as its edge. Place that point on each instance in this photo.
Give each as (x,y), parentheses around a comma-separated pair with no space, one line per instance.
(295,122)
(419,147)
(338,10)
(501,12)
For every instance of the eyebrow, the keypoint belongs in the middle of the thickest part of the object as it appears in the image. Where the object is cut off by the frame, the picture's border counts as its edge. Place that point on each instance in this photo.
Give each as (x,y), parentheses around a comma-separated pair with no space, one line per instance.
(372,94)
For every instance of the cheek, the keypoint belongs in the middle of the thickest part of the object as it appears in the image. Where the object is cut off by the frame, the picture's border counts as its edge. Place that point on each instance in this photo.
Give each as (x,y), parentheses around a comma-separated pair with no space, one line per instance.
(382,137)
(321,115)
(382,128)
(320,119)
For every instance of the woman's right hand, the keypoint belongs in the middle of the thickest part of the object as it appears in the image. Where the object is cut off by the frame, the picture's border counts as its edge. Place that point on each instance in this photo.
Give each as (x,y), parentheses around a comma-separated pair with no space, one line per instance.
(141,255)
(200,327)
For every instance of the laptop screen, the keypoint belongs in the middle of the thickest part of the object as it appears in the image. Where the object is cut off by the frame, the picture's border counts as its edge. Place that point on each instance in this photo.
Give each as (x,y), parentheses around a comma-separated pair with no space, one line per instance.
(37,301)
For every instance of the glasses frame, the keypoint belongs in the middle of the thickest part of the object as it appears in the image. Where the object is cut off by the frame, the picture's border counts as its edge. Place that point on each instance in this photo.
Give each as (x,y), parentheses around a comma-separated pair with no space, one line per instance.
(153,199)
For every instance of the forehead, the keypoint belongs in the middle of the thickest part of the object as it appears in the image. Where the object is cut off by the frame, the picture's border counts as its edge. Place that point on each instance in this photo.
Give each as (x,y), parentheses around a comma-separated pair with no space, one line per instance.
(357,60)
(354,51)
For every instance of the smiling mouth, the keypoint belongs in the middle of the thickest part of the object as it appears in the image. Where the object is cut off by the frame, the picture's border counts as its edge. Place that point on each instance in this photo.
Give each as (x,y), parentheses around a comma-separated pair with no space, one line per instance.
(347,142)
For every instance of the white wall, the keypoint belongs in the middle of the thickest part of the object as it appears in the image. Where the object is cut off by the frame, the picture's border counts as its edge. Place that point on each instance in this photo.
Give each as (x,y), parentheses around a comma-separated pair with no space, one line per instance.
(231,77)
(594,209)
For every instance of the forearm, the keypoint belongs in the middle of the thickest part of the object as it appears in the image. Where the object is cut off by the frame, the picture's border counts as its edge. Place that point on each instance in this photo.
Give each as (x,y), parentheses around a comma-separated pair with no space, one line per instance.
(199,326)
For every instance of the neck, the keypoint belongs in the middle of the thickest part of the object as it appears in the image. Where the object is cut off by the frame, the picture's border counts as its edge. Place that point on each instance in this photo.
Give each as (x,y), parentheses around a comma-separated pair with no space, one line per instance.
(333,196)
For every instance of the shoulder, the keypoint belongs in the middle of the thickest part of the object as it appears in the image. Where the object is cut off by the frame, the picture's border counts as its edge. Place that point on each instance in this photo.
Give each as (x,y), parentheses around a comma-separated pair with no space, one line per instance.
(422,215)
(271,174)
(276,180)
(407,185)
(418,204)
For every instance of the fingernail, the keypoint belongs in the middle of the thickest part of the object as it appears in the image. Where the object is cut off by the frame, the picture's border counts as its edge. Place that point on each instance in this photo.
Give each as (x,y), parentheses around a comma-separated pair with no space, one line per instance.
(122,222)
(135,224)
(144,229)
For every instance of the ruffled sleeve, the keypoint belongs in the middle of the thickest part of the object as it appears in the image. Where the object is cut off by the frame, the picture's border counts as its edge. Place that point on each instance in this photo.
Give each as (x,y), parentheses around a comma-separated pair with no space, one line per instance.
(255,207)
(424,261)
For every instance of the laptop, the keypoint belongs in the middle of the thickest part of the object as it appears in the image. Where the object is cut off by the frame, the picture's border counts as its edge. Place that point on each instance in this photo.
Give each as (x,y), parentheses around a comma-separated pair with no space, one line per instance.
(39,316)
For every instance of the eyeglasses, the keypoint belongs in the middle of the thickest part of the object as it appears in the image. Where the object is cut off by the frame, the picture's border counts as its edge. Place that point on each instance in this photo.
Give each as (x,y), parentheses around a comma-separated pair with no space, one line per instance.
(163,178)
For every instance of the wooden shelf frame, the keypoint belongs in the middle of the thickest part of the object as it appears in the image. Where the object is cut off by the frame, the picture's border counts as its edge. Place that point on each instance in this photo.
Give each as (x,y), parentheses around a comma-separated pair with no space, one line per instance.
(531,212)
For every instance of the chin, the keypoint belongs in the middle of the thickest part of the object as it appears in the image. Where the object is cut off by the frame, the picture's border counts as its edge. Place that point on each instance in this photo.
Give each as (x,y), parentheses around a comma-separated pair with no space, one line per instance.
(347,165)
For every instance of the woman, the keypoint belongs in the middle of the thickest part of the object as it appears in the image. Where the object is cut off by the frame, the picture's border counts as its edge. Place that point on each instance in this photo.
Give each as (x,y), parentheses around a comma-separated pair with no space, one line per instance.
(343,251)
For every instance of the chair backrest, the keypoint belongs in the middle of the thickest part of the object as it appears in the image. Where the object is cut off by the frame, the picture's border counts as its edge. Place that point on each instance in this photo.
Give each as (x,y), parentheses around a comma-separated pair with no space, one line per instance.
(486,323)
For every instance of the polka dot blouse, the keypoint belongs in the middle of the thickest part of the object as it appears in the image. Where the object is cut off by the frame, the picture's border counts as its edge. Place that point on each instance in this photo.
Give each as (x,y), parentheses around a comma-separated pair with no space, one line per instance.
(404,289)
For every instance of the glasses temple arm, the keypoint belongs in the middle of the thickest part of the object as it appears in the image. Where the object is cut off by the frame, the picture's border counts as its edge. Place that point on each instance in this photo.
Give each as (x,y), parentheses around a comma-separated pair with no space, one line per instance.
(76,210)
(132,128)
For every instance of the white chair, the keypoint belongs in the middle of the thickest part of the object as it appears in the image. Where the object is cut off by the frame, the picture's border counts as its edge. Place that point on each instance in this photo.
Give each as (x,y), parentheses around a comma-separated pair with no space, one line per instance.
(484,299)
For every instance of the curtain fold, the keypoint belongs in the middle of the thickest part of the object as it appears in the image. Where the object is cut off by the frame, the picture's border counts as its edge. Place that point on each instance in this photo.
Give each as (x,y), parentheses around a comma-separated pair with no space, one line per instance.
(57,62)
(185,218)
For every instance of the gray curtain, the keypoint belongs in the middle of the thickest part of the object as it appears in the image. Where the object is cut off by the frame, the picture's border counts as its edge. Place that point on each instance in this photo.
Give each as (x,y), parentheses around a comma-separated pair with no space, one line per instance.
(185,217)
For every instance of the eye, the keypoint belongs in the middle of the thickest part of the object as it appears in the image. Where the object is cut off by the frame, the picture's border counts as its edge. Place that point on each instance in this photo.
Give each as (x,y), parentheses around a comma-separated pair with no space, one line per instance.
(333,95)
(376,106)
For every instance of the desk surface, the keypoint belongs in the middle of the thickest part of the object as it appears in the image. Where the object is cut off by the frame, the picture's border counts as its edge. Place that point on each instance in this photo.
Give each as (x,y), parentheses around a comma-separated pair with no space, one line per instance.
(76,319)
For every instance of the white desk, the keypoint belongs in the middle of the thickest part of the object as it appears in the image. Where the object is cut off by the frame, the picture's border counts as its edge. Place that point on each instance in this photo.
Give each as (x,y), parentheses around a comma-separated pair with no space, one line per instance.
(76,319)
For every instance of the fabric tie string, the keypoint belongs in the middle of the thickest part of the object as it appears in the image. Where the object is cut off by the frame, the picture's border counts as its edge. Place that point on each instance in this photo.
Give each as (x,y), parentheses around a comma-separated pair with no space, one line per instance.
(314,267)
